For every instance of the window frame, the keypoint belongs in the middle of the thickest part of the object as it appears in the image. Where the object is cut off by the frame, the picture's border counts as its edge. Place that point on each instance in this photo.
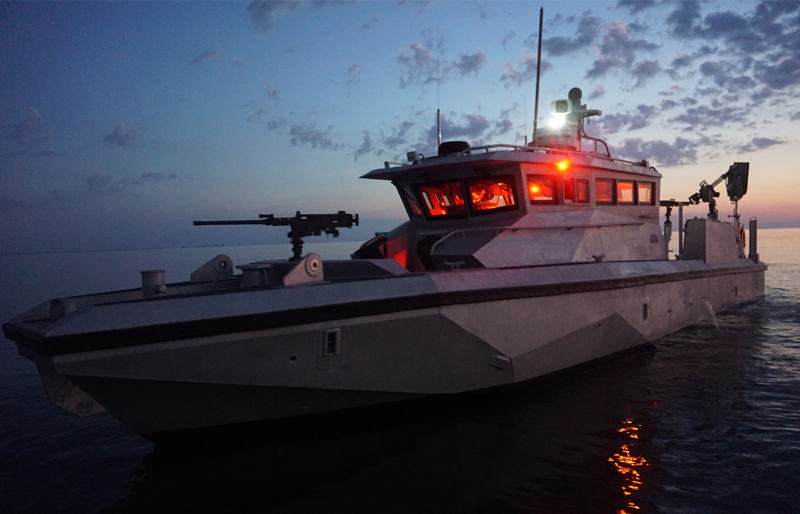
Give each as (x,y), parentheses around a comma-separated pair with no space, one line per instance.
(407,194)
(509,179)
(588,183)
(575,180)
(652,192)
(557,191)
(613,200)
(427,210)
(634,192)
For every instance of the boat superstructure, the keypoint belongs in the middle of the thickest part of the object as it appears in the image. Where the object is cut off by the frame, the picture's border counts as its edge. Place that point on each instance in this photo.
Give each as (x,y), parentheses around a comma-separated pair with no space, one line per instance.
(516,262)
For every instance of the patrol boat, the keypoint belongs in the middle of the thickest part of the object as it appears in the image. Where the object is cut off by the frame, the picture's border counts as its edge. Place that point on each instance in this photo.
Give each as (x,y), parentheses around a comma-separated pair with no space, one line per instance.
(516,262)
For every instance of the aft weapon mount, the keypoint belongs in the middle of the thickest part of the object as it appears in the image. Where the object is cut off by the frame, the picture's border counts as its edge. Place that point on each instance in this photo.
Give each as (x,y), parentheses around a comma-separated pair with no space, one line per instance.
(302,225)
(735,183)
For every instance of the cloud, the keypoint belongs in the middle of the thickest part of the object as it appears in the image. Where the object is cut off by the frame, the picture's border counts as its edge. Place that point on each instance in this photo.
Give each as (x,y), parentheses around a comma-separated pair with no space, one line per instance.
(276,123)
(473,128)
(434,40)
(482,12)
(305,134)
(270,89)
(421,68)
(613,123)
(635,6)
(759,143)
(30,127)
(368,25)
(786,73)
(37,153)
(617,50)
(684,20)
(123,135)
(205,56)
(704,117)
(513,76)
(727,75)
(354,74)
(682,151)
(766,38)
(262,12)
(468,64)
(511,35)
(597,92)
(365,148)
(586,32)
(108,185)
(668,104)
(644,71)
(418,63)
(256,116)
(672,91)
(399,135)
(148,177)
(795,116)
(682,61)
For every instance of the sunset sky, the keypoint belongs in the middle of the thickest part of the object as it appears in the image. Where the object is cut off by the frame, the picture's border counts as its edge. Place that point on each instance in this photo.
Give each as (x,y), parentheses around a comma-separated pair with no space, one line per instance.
(121,122)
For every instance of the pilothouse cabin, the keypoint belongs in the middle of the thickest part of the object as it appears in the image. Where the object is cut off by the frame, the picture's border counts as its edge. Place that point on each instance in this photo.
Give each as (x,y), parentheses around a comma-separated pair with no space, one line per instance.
(509,206)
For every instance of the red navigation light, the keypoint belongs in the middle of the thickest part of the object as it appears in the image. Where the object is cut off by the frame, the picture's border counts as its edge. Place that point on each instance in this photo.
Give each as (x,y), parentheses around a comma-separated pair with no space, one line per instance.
(563,165)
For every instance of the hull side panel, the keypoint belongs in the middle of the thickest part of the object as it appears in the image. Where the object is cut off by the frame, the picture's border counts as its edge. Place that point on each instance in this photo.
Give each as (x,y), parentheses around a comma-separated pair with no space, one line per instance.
(153,406)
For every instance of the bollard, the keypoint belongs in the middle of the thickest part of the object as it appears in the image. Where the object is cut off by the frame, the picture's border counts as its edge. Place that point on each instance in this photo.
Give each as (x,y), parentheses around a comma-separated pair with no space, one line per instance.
(153,283)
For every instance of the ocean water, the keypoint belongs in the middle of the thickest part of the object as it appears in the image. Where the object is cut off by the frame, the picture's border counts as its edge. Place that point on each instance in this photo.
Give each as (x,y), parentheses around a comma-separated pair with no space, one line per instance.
(707,423)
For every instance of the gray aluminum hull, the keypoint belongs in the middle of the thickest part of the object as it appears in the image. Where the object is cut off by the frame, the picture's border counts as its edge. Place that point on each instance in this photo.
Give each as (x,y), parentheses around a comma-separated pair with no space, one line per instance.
(179,363)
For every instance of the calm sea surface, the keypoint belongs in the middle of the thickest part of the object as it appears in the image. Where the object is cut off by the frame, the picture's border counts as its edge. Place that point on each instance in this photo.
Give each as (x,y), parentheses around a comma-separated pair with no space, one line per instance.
(708,423)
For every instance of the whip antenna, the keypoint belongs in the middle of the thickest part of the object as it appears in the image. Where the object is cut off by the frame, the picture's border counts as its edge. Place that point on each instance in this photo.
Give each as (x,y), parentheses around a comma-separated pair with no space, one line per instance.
(538,72)
(438,104)
(525,116)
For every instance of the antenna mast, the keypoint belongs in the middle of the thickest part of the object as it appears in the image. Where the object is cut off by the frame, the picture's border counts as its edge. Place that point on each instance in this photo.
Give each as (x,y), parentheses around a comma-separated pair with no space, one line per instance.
(538,72)
(525,117)
(438,110)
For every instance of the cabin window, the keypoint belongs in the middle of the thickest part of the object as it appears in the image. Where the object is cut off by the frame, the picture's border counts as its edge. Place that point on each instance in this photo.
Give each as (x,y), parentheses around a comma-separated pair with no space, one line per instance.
(445,199)
(576,190)
(410,201)
(626,192)
(491,194)
(542,189)
(583,190)
(604,191)
(646,196)
(569,190)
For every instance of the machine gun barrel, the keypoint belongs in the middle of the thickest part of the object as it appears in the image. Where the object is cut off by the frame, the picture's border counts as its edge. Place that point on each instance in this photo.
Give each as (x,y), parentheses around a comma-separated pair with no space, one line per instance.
(231,222)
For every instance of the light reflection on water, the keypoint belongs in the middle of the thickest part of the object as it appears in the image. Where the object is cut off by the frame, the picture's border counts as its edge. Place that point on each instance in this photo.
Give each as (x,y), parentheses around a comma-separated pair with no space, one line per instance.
(626,463)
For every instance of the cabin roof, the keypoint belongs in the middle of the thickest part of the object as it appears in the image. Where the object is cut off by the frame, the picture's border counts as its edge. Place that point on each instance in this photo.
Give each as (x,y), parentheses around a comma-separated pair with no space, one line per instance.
(486,155)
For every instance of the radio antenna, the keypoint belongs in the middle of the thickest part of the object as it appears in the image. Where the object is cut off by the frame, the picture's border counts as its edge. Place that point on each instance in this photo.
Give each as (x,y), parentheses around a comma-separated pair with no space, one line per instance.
(538,72)
(438,105)
(525,116)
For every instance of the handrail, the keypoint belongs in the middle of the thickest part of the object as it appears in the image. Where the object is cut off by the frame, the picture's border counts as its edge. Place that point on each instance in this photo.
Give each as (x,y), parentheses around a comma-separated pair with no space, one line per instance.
(537,149)
(554,151)
(499,145)
(501,229)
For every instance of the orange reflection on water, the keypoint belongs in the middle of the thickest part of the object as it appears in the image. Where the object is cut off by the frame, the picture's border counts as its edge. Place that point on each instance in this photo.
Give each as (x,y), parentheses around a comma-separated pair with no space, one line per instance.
(626,463)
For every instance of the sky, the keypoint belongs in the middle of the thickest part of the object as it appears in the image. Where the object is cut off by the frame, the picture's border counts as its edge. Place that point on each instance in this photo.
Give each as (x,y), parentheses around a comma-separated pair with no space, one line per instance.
(121,122)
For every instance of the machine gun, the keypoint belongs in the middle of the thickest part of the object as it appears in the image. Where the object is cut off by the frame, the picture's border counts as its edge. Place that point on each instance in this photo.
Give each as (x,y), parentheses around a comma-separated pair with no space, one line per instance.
(735,183)
(302,225)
